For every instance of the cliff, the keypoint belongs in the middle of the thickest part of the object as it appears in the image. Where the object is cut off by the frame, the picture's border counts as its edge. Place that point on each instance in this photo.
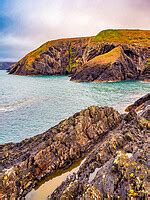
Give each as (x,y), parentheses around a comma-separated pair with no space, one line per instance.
(53,57)
(114,145)
(64,55)
(112,66)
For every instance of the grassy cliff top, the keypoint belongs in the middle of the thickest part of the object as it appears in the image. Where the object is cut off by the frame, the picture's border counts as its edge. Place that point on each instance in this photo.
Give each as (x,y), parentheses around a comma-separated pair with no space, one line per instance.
(31,56)
(120,36)
(110,57)
(140,37)
(128,36)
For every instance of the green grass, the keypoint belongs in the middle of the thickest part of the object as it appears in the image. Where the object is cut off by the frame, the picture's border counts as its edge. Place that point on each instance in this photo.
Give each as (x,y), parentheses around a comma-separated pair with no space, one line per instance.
(106,58)
(107,34)
(148,61)
(127,36)
(73,62)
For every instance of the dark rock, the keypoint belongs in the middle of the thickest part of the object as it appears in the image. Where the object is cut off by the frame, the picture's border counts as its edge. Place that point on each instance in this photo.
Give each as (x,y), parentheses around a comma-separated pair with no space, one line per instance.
(112,66)
(116,165)
(57,148)
(65,56)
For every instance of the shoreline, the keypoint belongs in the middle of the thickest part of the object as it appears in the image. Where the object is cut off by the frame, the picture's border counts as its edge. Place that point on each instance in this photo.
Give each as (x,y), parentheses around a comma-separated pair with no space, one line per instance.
(36,157)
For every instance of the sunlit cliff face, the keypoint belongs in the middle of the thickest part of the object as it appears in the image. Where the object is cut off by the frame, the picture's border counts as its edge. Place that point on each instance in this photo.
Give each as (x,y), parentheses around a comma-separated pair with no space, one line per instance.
(24,25)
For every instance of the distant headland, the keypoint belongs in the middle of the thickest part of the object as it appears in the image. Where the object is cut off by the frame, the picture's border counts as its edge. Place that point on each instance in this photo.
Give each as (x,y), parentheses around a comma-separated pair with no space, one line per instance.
(111,55)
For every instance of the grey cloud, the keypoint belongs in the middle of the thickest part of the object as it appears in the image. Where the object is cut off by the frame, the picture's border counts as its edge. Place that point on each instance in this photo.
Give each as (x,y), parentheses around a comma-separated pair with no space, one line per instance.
(36,21)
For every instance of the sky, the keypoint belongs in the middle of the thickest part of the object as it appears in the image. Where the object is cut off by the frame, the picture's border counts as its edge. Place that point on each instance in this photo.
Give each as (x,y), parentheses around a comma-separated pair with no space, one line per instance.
(26,24)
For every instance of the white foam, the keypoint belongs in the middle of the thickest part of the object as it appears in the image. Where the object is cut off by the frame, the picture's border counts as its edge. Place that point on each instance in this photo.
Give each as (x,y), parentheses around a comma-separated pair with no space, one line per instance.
(11,107)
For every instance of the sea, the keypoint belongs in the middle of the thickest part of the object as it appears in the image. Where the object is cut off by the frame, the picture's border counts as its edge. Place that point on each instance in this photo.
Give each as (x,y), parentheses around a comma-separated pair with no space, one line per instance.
(30,105)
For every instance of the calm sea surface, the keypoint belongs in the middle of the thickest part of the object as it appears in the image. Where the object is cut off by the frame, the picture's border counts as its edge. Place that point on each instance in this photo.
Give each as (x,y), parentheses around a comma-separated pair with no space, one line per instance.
(31,105)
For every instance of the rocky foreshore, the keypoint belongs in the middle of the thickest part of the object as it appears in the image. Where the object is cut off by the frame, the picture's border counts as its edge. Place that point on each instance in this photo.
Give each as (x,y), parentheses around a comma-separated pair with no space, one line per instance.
(115,167)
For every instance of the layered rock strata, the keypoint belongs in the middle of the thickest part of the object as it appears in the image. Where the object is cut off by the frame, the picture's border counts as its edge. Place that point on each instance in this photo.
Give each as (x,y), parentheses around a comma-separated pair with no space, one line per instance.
(27,162)
(117,168)
(116,165)
(65,56)
(112,66)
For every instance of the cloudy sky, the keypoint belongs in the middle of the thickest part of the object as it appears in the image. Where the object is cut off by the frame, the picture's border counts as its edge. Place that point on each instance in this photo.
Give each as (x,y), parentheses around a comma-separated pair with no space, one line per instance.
(26,24)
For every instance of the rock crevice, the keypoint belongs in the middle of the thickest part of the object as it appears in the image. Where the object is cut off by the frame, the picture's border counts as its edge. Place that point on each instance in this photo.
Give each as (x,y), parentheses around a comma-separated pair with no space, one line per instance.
(117,147)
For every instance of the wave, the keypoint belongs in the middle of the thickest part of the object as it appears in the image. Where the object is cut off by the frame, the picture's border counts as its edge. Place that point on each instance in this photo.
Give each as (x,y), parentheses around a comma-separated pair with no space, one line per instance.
(11,107)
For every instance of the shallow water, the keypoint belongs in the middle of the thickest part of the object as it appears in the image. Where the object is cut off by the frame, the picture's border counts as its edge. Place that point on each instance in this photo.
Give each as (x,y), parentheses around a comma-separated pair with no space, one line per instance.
(31,105)
(49,184)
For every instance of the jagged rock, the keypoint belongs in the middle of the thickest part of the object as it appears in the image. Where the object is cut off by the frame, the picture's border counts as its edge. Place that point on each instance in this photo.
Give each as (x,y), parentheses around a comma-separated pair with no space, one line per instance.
(116,168)
(34,158)
(139,104)
(116,165)
(112,66)
(66,55)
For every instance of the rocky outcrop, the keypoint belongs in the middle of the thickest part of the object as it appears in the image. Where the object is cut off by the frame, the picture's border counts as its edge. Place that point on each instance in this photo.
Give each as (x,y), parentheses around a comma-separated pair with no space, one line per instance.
(112,66)
(64,55)
(52,58)
(137,105)
(117,168)
(29,161)
(145,74)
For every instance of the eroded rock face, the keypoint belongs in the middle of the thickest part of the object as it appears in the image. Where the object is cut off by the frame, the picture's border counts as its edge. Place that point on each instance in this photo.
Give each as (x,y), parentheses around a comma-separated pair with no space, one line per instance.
(65,56)
(116,165)
(52,58)
(112,66)
(117,168)
(30,160)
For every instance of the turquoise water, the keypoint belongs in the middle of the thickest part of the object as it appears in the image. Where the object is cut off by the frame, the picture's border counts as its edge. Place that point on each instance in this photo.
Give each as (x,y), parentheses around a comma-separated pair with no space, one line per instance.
(31,105)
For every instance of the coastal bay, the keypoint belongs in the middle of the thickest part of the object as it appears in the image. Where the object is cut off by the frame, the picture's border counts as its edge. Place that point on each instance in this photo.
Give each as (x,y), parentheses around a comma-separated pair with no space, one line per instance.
(32,104)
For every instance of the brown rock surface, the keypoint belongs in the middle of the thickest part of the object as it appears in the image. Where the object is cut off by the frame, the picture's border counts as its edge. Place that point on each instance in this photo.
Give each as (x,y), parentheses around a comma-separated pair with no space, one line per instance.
(52,58)
(116,149)
(112,66)
(32,159)
(64,55)
(117,168)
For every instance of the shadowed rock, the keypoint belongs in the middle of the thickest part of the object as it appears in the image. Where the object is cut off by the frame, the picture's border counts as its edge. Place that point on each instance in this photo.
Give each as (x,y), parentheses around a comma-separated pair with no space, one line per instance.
(112,66)
(116,165)
(34,158)
(64,56)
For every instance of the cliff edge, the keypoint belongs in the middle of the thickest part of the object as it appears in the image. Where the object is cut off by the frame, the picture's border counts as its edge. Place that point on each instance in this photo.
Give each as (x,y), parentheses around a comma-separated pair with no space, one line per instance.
(63,56)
